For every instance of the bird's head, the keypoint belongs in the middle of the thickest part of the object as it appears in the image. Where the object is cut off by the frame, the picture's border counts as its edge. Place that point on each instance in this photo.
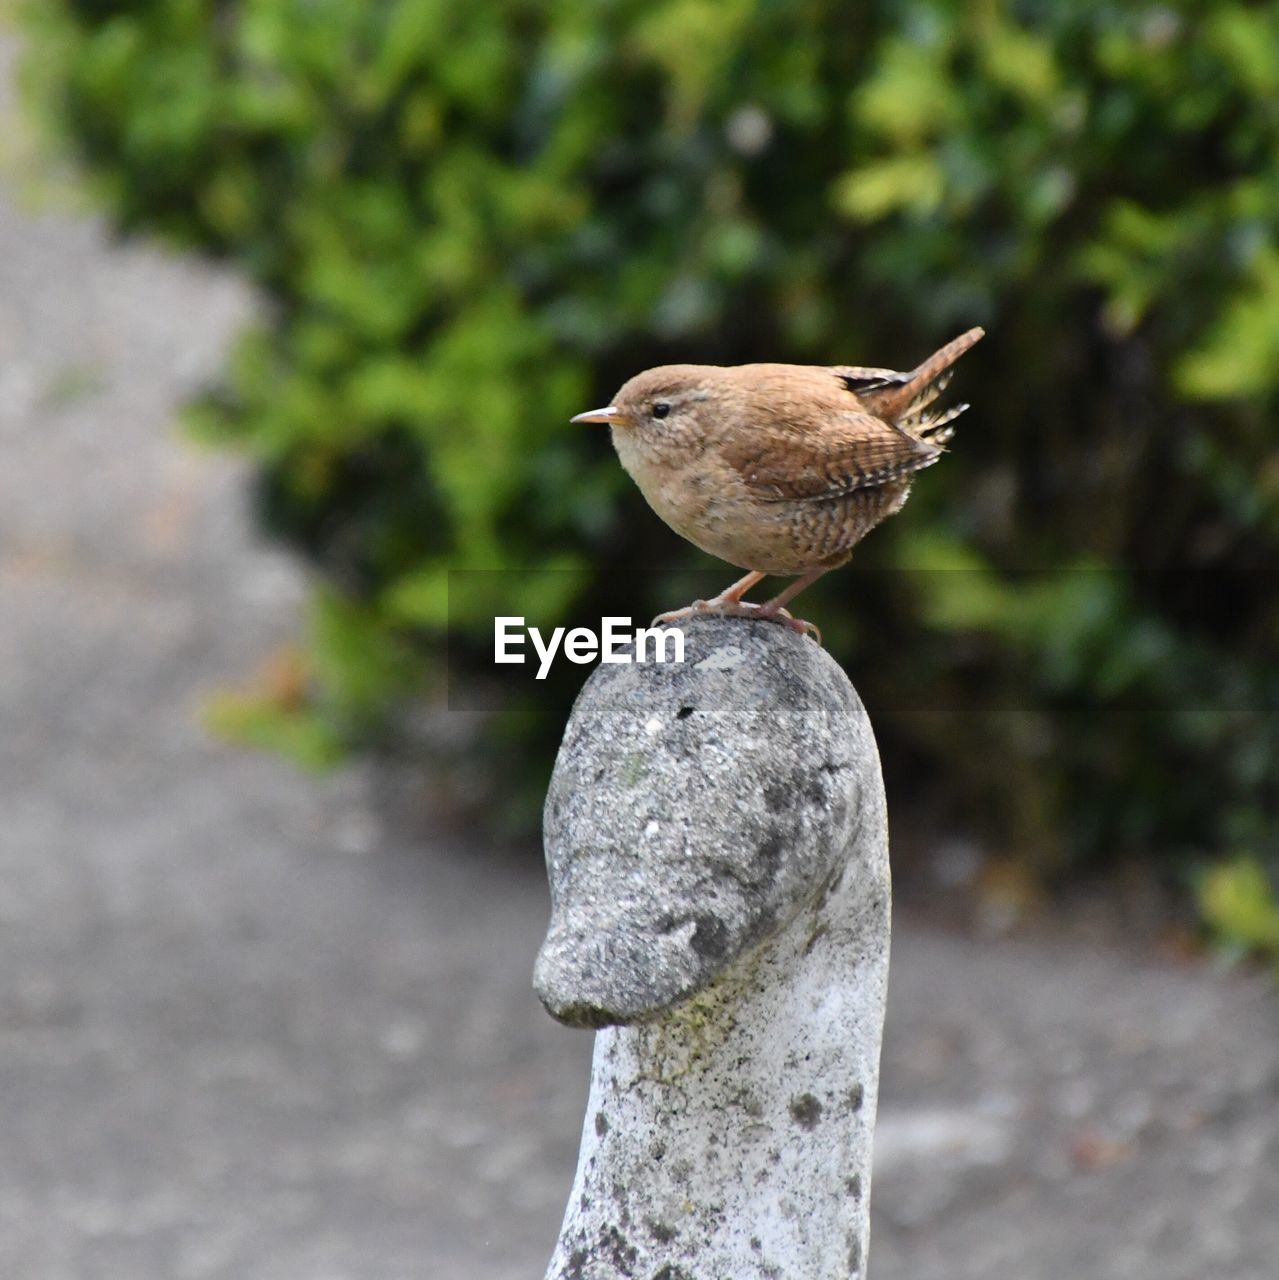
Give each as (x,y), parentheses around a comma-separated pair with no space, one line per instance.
(663,400)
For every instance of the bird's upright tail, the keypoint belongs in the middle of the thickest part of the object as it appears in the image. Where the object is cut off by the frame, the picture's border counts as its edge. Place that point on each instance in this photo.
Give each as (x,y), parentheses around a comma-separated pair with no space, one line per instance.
(906,399)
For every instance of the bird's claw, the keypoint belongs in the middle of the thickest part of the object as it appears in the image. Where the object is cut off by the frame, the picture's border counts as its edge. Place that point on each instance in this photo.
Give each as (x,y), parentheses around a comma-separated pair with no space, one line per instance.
(804,627)
(740,609)
(678,615)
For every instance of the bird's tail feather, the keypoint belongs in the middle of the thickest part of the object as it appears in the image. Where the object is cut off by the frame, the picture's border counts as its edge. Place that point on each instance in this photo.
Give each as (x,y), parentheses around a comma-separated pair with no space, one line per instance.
(933,425)
(906,401)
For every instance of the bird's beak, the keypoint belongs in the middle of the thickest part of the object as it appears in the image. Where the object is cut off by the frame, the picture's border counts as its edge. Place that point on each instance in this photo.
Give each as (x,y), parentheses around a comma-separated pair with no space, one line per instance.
(611,414)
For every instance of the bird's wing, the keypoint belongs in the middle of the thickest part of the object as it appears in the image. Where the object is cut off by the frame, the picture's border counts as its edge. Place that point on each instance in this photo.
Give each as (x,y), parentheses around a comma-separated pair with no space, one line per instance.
(858,378)
(802,459)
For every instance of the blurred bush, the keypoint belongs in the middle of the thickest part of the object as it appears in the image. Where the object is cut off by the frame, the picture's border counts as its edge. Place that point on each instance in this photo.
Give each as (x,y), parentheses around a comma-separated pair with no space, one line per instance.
(470,221)
(1240,905)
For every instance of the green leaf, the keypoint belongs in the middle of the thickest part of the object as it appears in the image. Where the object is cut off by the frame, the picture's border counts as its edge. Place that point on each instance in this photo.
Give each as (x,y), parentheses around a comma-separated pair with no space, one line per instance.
(881,187)
(1239,903)
(1240,355)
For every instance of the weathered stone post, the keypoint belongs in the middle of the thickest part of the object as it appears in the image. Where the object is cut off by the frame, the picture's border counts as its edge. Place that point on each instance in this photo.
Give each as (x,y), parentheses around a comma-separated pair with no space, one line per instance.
(718,857)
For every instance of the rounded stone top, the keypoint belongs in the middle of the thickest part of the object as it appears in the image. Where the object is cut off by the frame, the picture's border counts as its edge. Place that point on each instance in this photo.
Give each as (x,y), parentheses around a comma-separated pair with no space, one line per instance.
(695,807)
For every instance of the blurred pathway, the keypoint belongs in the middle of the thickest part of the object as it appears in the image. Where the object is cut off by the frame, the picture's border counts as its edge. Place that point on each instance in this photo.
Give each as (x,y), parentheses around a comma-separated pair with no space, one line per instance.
(245,1030)
(256,1026)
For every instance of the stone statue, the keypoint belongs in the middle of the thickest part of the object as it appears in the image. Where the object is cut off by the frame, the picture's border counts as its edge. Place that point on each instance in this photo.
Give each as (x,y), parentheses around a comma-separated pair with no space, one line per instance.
(716,842)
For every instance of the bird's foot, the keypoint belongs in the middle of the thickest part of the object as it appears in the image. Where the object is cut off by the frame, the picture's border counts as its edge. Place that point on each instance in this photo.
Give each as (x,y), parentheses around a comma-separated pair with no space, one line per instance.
(775,613)
(767,612)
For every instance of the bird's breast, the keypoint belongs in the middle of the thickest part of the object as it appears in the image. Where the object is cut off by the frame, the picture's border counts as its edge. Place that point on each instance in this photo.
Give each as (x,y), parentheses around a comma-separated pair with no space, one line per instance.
(707,502)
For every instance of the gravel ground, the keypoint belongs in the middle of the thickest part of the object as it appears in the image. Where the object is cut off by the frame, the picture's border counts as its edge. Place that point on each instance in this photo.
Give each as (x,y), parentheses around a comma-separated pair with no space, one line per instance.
(262,1026)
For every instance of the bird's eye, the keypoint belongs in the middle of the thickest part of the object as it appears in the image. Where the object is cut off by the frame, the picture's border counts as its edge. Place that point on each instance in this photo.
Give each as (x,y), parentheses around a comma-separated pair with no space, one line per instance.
(661,408)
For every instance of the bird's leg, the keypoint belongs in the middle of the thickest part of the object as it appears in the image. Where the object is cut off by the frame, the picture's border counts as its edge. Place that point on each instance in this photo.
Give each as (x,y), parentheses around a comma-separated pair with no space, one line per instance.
(734,594)
(730,603)
(774,608)
(725,602)
(787,594)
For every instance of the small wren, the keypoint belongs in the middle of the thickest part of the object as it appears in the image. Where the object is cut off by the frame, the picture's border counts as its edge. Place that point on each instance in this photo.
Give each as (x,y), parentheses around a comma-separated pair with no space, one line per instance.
(779,468)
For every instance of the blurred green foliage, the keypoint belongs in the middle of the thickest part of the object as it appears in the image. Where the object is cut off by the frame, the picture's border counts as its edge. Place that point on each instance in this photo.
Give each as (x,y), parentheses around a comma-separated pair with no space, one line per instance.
(1241,906)
(471,221)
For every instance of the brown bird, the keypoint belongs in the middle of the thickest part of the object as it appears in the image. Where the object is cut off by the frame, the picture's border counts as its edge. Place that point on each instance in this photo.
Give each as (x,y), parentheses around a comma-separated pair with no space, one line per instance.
(779,468)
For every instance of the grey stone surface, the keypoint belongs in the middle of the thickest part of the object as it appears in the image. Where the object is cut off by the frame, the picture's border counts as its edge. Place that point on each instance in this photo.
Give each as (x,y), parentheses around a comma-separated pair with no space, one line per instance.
(694,808)
(718,852)
(1073,1107)
(258,1026)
